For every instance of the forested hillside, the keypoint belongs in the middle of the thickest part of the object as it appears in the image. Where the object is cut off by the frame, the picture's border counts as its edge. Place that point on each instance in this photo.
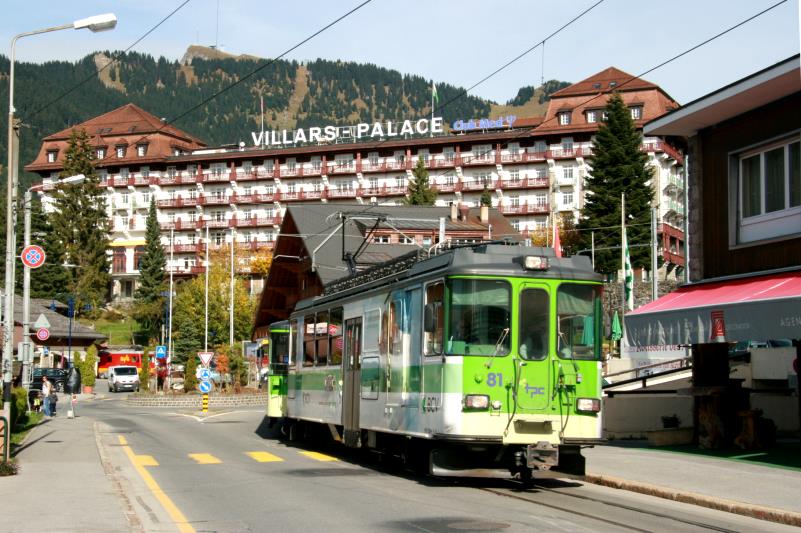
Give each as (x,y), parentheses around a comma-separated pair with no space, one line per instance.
(295,95)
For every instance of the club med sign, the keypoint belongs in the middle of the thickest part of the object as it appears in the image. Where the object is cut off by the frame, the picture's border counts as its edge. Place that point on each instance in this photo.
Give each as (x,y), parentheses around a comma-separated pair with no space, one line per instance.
(330,134)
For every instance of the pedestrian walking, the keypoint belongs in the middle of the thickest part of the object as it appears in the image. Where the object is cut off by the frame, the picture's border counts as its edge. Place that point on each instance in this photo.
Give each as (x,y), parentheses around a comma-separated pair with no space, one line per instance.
(47,389)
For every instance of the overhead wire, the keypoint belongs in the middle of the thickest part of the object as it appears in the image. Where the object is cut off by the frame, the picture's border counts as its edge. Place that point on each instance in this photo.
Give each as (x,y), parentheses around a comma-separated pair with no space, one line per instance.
(110,63)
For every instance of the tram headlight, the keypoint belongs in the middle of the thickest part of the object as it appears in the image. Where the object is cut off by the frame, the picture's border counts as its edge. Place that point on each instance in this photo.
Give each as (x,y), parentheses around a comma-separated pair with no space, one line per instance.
(535,262)
(588,405)
(476,401)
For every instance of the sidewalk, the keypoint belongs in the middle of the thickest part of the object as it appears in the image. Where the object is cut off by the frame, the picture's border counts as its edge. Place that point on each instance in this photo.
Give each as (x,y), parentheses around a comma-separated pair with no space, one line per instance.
(61,485)
(760,484)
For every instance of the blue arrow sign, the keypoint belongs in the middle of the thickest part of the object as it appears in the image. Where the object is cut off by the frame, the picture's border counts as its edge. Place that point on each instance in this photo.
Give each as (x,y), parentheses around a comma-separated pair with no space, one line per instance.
(205,386)
(161,352)
(204,374)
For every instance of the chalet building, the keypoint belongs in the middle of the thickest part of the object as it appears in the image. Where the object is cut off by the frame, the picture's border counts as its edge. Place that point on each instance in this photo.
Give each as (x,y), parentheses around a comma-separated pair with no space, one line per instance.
(745,252)
(534,169)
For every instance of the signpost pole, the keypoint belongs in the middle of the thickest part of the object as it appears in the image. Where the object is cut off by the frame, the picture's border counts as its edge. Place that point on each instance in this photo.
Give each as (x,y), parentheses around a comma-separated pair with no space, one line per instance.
(26,302)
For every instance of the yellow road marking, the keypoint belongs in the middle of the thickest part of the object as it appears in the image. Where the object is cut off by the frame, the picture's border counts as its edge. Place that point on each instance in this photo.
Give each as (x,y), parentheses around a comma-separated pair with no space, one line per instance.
(205,459)
(177,516)
(146,460)
(319,456)
(264,457)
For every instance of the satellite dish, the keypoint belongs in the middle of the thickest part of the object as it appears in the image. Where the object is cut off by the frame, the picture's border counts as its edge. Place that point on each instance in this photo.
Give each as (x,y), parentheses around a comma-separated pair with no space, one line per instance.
(241,145)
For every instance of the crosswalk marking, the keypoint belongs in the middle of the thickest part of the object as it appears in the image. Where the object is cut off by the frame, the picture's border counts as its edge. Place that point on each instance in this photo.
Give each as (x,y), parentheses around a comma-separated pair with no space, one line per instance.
(205,458)
(319,456)
(264,457)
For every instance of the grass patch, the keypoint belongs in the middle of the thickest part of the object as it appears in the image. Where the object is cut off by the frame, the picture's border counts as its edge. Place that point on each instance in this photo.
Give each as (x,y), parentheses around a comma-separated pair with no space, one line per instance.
(120,332)
(22,430)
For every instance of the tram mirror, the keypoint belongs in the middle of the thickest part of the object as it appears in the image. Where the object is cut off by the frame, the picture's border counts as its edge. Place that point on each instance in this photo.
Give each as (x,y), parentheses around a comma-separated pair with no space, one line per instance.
(429,318)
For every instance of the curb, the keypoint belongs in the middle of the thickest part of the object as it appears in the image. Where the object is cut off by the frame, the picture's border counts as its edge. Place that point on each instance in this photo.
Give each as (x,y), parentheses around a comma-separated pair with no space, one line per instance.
(127,507)
(770,514)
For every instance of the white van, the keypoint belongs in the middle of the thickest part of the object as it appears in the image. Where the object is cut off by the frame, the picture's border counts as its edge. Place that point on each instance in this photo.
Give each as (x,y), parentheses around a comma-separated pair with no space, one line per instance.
(123,378)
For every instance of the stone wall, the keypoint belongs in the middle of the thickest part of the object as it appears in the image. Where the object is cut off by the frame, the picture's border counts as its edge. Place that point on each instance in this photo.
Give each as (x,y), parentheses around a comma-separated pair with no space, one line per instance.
(194,400)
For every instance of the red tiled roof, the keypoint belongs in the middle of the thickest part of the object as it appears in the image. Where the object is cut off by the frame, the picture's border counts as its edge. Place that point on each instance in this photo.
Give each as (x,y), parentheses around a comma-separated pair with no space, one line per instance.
(605,81)
(129,119)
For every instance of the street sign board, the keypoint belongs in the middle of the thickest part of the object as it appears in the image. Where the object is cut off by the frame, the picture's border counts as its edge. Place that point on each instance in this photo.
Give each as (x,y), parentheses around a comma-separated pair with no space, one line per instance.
(33,256)
(161,352)
(41,322)
(205,357)
(42,334)
(205,386)
(204,374)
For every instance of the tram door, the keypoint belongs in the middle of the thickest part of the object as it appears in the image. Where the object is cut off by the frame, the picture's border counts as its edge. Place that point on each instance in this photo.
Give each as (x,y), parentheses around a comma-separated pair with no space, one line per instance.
(535,339)
(352,388)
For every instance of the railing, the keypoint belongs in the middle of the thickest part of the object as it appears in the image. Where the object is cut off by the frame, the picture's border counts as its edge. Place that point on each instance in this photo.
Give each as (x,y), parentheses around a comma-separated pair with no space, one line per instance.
(179,201)
(447,187)
(180,225)
(251,222)
(315,195)
(524,209)
(528,183)
(476,185)
(443,163)
(292,172)
(211,199)
(384,166)
(343,193)
(661,146)
(253,175)
(212,224)
(384,190)
(259,245)
(476,160)
(254,198)
(216,178)
(348,169)
(185,248)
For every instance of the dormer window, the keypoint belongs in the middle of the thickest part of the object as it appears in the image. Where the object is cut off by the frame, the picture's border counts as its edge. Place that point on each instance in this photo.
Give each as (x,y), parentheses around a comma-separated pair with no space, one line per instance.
(592,117)
(101,153)
(141,150)
(120,152)
(51,156)
(636,112)
(564,118)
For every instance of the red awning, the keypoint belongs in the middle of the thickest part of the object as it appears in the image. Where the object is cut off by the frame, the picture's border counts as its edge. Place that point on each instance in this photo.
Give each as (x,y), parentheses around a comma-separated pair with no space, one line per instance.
(751,308)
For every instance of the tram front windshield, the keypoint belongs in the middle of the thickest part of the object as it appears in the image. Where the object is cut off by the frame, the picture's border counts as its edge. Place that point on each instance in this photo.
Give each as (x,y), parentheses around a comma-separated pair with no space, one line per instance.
(479,317)
(577,308)
(279,349)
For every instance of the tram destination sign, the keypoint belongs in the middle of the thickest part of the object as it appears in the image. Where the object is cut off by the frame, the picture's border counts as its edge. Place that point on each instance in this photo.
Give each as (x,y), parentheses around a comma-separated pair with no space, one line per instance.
(355,132)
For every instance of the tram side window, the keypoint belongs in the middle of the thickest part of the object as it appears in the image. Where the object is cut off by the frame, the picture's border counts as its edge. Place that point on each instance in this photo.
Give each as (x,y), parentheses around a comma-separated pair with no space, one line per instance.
(335,336)
(321,334)
(308,340)
(435,295)
(372,330)
(293,339)
(396,327)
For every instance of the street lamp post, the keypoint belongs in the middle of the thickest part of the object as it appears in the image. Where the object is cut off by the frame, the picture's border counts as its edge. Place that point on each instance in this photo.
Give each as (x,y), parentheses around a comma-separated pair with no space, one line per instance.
(97,23)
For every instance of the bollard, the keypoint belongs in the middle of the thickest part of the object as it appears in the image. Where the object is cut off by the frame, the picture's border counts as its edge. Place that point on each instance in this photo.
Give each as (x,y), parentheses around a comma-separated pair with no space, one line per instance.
(205,403)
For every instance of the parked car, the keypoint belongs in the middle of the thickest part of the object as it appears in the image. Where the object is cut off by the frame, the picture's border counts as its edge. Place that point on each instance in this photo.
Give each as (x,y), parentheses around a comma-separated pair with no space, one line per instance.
(57,376)
(123,378)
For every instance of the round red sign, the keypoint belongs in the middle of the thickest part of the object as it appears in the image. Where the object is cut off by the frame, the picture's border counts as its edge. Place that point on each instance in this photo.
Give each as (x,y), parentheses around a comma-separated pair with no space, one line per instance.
(43,334)
(33,256)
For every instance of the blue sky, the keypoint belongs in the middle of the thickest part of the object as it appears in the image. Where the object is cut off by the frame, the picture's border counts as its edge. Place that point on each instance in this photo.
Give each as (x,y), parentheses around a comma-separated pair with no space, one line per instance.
(456,41)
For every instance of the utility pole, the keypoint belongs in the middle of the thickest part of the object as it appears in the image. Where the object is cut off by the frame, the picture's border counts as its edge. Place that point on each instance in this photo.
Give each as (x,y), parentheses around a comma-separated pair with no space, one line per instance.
(654,282)
(231,300)
(206,334)
(26,300)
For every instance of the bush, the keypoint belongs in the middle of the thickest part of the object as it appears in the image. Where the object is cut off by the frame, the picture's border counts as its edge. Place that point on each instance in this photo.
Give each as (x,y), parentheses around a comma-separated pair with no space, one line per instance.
(144,372)
(8,468)
(88,370)
(19,406)
(190,374)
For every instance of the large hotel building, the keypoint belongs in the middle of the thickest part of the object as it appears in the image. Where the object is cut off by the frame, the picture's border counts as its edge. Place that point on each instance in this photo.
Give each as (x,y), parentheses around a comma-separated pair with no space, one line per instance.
(534,168)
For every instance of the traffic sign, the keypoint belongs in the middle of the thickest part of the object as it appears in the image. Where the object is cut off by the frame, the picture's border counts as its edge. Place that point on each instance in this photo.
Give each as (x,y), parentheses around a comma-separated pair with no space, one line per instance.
(205,357)
(33,256)
(204,374)
(205,386)
(42,334)
(161,352)
(41,322)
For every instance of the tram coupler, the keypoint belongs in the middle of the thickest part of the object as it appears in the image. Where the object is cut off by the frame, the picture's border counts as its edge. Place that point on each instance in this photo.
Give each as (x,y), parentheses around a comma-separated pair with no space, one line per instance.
(541,456)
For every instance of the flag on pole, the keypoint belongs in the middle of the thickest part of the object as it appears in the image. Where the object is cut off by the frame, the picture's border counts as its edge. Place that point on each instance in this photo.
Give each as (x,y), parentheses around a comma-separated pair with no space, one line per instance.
(628,272)
(557,243)
(434,94)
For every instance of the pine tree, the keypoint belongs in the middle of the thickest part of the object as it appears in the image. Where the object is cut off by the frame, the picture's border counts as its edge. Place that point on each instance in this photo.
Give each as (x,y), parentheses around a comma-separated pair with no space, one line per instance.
(486,197)
(51,279)
(80,222)
(420,191)
(618,166)
(149,311)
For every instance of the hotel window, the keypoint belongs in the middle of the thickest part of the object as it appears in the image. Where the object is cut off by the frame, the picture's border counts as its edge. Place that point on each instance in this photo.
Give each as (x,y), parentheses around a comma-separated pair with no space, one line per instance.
(248,190)
(540,147)
(344,162)
(269,236)
(374,183)
(291,165)
(217,169)
(449,180)
(120,151)
(567,144)
(567,199)
(141,150)
(51,156)
(482,152)
(124,198)
(291,188)
(247,167)
(768,181)
(540,200)
(316,165)
(514,200)
(514,175)
(514,149)
(317,186)
(145,171)
(103,174)
(449,154)
(171,171)
(485,178)
(636,112)
(101,153)
(567,173)
(381,239)
(124,172)
(516,224)
(219,237)
(269,189)
(123,222)
(219,216)
(372,157)
(191,170)
(171,218)
(400,157)
(423,154)
(248,214)
(192,219)
(564,118)
(400,182)
(405,240)
(193,193)
(269,212)
(592,116)
(146,198)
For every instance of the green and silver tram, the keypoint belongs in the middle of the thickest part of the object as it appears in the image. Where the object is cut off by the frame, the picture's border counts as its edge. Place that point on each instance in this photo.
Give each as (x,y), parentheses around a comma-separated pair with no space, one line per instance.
(474,361)
(276,360)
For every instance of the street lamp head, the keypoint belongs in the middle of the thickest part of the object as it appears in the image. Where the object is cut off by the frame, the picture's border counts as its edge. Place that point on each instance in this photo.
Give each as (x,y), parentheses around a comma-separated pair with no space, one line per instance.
(77,178)
(97,23)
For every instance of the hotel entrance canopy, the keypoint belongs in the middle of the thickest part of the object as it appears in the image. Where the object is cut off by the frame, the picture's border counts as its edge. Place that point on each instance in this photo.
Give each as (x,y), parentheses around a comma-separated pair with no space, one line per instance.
(749,308)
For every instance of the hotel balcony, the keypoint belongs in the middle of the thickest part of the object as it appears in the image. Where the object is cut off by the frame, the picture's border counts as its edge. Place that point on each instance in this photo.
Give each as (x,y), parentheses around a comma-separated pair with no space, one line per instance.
(179,224)
(213,224)
(210,199)
(528,183)
(385,166)
(294,172)
(258,245)
(476,185)
(178,201)
(251,222)
(661,146)
(444,163)
(253,175)
(176,179)
(253,198)
(343,193)
(342,169)
(454,186)
(384,190)
(524,209)
(185,248)
(478,160)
